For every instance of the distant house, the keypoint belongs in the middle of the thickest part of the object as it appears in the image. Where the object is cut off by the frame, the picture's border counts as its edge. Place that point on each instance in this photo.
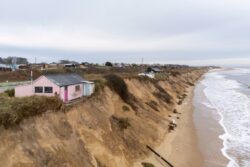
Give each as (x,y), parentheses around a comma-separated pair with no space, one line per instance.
(67,86)
(4,67)
(153,69)
(150,72)
(70,65)
(23,66)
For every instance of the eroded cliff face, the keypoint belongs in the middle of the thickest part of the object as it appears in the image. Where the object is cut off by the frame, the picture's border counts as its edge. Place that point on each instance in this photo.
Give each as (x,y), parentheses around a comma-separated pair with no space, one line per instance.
(103,131)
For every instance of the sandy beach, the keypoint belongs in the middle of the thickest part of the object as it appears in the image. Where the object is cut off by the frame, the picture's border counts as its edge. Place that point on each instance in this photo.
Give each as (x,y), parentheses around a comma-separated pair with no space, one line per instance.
(180,147)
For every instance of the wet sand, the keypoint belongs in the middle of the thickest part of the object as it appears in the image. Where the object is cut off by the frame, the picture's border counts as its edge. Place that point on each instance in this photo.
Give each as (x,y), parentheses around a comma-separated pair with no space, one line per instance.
(208,130)
(180,147)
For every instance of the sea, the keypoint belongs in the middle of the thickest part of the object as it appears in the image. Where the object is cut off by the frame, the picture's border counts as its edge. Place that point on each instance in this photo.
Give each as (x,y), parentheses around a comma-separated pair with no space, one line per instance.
(222,117)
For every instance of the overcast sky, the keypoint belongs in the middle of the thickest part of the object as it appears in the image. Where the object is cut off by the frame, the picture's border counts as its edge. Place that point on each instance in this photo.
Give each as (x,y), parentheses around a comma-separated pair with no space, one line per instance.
(196,32)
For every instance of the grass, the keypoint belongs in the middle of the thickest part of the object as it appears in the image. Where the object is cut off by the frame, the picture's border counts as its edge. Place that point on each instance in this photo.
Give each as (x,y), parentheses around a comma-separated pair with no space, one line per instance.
(125,108)
(153,104)
(99,163)
(163,96)
(160,93)
(14,110)
(190,84)
(146,164)
(179,102)
(123,123)
(99,86)
(117,84)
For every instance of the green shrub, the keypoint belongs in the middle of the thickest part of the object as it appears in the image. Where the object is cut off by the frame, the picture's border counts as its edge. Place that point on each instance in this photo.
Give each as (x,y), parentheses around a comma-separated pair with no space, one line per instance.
(10,92)
(146,164)
(125,108)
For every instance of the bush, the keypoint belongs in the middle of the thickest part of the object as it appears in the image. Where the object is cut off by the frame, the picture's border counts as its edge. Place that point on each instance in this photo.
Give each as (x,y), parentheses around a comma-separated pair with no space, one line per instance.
(109,64)
(99,86)
(13,111)
(123,123)
(117,84)
(146,164)
(10,92)
(179,102)
(125,108)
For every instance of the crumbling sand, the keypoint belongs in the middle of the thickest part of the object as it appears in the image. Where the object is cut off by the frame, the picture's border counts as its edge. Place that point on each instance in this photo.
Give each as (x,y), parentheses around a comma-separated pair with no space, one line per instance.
(87,136)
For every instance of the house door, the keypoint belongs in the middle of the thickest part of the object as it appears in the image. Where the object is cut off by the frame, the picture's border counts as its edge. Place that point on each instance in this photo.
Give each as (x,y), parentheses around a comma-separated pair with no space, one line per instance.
(83,89)
(66,93)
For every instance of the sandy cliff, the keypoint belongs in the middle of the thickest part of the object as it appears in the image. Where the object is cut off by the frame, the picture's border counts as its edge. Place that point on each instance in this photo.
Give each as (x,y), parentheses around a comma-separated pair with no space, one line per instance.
(103,131)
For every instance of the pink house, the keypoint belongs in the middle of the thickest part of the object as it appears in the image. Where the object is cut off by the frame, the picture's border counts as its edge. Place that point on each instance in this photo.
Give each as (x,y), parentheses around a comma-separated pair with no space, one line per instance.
(67,86)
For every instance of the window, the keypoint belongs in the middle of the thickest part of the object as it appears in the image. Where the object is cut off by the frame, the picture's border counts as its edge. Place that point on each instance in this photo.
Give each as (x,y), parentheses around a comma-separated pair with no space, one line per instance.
(38,89)
(77,88)
(48,90)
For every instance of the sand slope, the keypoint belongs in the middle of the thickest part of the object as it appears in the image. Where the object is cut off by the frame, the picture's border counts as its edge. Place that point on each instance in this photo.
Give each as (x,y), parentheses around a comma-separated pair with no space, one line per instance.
(89,134)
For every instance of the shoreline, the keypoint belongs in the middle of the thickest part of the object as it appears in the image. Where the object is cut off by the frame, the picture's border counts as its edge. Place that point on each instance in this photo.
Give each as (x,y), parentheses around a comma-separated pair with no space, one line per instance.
(180,147)
(209,130)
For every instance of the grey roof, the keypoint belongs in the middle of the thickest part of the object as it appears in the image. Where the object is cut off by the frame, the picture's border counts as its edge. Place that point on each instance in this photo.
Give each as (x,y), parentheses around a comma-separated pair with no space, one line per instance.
(65,79)
(155,69)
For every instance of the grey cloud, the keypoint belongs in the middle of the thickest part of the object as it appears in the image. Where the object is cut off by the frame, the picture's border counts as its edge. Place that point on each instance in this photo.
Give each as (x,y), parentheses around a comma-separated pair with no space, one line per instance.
(218,24)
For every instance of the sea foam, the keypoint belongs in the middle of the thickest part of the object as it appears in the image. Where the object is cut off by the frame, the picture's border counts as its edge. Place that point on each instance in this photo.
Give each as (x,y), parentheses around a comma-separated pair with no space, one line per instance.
(233,107)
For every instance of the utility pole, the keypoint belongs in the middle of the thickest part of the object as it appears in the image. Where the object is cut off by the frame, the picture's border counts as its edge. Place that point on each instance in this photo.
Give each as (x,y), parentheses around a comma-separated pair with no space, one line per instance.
(31,72)
(31,76)
(142,60)
(14,62)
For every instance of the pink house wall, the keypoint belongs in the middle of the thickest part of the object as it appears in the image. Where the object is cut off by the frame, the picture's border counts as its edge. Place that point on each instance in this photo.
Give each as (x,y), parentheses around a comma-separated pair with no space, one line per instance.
(61,94)
(72,94)
(24,90)
(29,90)
(44,82)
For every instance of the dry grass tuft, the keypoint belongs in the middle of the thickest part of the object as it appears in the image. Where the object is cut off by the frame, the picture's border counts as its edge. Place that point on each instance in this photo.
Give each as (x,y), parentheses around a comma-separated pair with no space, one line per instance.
(123,123)
(146,164)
